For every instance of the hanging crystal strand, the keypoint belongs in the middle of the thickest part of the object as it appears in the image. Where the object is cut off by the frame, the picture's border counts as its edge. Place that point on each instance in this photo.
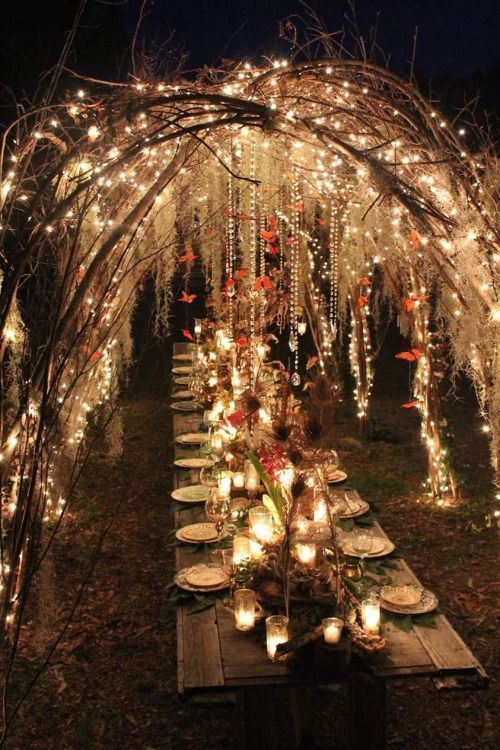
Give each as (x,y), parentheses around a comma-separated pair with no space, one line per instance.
(334,268)
(262,270)
(230,241)
(253,261)
(294,282)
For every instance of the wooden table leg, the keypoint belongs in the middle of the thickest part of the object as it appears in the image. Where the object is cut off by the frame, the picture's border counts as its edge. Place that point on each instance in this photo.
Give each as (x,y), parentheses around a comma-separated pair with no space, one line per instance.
(270,718)
(366,712)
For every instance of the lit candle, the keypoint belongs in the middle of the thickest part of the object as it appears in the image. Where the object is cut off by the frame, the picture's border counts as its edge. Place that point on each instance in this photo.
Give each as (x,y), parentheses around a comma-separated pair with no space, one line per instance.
(306,554)
(252,484)
(255,550)
(320,511)
(332,629)
(264,416)
(241,549)
(217,444)
(286,477)
(244,609)
(238,480)
(370,616)
(225,485)
(276,633)
(260,521)
(197,326)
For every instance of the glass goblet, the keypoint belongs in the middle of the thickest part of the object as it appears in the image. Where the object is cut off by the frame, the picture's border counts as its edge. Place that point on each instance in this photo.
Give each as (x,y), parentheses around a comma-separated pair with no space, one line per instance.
(362,543)
(217,510)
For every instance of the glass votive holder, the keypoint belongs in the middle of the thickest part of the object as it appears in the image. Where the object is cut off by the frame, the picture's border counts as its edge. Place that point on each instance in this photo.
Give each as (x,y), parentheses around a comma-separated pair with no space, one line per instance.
(370,615)
(241,549)
(260,521)
(332,629)
(244,609)
(306,554)
(238,480)
(276,633)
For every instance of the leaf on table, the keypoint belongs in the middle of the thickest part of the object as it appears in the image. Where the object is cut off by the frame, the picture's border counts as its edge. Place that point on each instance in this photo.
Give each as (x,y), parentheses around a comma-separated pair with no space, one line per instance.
(401,622)
(200,604)
(427,620)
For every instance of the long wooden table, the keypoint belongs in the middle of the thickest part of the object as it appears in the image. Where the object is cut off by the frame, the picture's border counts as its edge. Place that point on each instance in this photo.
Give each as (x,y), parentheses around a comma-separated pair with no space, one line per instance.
(214,656)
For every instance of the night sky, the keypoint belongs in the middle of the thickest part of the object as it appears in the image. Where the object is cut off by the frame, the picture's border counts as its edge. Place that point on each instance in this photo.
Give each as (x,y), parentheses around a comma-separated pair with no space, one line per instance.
(456,38)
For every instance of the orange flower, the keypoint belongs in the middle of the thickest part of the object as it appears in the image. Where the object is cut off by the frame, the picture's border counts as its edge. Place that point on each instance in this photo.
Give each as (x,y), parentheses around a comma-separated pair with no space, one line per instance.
(187,297)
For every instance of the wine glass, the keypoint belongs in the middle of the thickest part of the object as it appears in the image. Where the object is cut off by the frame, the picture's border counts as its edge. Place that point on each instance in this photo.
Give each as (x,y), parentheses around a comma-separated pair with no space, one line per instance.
(208,476)
(362,543)
(217,509)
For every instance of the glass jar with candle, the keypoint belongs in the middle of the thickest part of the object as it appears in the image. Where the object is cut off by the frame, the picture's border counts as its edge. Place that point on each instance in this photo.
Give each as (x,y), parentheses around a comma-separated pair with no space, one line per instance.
(276,633)
(238,480)
(260,521)
(244,609)
(332,629)
(370,615)
(306,554)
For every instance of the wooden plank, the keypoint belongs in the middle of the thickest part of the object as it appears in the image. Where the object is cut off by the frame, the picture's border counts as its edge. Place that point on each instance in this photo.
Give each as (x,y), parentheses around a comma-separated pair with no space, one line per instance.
(202,664)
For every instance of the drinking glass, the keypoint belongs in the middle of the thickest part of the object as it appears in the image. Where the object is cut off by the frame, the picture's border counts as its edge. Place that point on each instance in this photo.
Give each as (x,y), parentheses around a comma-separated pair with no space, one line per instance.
(217,509)
(362,543)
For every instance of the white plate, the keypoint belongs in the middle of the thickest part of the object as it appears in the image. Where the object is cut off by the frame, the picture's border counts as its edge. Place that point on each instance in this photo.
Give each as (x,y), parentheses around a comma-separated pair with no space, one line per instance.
(198,533)
(182,370)
(336,477)
(180,579)
(193,493)
(182,380)
(355,507)
(192,438)
(386,549)
(183,357)
(428,602)
(183,394)
(193,463)
(185,406)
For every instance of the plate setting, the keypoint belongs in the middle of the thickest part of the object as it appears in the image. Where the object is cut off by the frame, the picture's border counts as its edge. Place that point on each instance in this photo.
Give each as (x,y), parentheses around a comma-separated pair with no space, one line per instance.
(185,406)
(182,370)
(380,547)
(193,493)
(199,533)
(335,477)
(192,438)
(183,357)
(193,463)
(182,380)
(203,577)
(408,599)
(183,394)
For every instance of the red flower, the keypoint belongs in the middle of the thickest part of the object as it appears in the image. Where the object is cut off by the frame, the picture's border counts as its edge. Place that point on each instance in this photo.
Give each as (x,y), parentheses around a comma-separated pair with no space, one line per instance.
(236,418)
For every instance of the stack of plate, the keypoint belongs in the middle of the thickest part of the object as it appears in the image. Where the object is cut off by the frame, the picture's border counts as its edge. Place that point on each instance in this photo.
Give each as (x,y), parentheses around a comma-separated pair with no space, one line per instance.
(183,357)
(193,463)
(193,493)
(182,370)
(407,599)
(379,548)
(185,405)
(192,438)
(198,533)
(203,578)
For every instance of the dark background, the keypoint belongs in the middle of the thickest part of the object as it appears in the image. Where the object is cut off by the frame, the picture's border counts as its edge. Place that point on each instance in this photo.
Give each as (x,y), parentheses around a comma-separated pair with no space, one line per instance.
(457,55)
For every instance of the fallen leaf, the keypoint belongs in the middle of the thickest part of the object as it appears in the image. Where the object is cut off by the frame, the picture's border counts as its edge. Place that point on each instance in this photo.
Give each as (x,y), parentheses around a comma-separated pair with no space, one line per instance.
(187,297)
(187,334)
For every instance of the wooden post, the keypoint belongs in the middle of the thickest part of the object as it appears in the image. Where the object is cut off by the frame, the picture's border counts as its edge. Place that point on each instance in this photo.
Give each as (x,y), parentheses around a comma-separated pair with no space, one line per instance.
(366,712)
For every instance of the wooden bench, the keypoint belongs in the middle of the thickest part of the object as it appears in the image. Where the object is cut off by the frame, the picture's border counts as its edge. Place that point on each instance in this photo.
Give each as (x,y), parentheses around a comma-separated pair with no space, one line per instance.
(214,657)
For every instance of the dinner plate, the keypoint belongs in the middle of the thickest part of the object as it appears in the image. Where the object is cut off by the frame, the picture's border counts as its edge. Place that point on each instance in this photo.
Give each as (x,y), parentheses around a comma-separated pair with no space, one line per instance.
(189,578)
(182,380)
(427,603)
(193,493)
(198,533)
(183,394)
(385,548)
(183,357)
(193,463)
(182,370)
(192,438)
(355,507)
(336,476)
(185,406)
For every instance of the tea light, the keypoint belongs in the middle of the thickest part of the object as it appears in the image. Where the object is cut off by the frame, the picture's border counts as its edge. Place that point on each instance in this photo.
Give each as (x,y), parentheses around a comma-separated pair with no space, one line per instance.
(241,549)
(276,633)
(244,609)
(238,480)
(332,629)
(252,484)
(320,511)
(216,443)
(225,485)
(255,550)
(306,554)
(286,477)
(250,472)
(197,326)
(260,521)
(370,616)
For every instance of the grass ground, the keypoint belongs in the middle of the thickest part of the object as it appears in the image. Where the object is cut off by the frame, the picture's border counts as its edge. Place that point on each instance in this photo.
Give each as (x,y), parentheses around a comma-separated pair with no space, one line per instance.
(112,680)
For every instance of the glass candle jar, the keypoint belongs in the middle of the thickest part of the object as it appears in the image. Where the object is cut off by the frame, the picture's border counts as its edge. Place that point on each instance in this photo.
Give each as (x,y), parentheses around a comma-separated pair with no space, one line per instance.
(276,633)
(241,549)
(370,615)
(306,554)
(332,629)
(260,521)
(238,480)
(244,609)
